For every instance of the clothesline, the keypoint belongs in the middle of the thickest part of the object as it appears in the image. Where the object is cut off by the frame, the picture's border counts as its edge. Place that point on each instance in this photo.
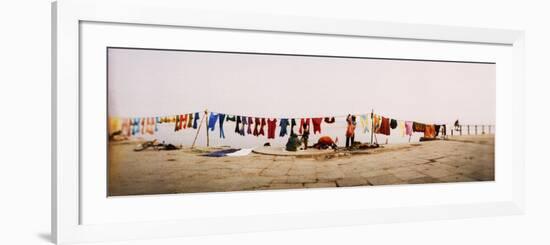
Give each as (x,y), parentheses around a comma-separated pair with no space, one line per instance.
(370,122)
(278,117)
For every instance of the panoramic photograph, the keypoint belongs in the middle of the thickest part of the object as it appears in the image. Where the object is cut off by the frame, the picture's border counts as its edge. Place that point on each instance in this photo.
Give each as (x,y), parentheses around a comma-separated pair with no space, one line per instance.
(193,121)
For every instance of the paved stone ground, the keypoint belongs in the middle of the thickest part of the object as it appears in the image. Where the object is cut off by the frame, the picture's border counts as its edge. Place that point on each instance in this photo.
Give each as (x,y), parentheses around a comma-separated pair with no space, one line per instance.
(460,159)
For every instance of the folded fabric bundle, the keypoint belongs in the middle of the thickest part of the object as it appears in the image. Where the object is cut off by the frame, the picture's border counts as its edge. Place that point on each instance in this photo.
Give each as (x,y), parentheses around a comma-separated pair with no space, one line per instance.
(220,153)
(239,153)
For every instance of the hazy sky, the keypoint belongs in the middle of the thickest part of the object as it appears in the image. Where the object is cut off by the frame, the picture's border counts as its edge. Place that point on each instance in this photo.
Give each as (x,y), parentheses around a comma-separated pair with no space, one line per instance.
(154,83)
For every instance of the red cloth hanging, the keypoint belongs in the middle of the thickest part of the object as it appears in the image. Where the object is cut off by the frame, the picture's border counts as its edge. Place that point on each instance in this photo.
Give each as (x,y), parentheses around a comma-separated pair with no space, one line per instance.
(384,126)
(271,125)
(256,126)
(302,122)
(250,121)
(183,121)
(317,124)
(262,125)
(142,125)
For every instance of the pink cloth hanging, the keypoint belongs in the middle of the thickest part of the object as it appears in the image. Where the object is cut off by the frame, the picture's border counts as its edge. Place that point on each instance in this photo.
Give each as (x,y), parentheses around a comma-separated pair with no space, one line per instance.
(408,128)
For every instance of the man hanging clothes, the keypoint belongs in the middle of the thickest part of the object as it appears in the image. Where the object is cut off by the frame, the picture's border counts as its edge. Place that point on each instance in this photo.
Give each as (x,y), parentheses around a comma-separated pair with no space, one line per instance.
(350,130)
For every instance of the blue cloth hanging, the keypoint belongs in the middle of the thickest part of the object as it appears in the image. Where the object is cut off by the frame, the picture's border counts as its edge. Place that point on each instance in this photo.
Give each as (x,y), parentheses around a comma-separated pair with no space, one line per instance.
(195,118)
(212,121)
(222,119)
(283,124)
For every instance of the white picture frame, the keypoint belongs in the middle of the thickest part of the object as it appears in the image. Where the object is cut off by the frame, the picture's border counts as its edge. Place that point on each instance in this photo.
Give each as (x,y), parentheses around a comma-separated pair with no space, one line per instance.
(67,17)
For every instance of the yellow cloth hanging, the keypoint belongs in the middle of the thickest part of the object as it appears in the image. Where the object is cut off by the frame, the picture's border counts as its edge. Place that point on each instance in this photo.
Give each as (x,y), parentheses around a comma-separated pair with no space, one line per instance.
(115,125)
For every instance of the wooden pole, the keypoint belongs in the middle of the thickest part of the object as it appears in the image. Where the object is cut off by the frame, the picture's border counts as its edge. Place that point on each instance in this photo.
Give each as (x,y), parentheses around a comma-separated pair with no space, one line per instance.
(482,129)
(372,125)
(197,134)
(207,131)
(475,128)
(468,129)
(460,128)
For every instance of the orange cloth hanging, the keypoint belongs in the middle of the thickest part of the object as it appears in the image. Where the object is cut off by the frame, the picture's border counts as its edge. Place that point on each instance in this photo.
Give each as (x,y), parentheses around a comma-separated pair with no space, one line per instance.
(429,131)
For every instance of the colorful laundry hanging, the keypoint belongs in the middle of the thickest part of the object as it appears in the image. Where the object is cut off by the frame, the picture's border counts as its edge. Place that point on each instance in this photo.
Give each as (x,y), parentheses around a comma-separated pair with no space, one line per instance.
(230,118)
(384,126)
(149,125)
(195,120)
(212,120)
(262,125)
(250,121)
(437,129)
(317,124)
(142,126)
(330,120)
(401,127)
(419,127)
(364,119)
(244,122)
(221,116)
(115,125)
(271,125)
(292,125)
(257,122)
(237,125)
(429,131)
(244,125)
(190,120)
(393,124)
(376,123)
(304,121)
(177,125)
(408,128)
(283,124)
(183,121)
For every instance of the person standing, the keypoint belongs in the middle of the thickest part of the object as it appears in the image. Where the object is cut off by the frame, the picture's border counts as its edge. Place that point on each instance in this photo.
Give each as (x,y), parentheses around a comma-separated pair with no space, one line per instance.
(350,130)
